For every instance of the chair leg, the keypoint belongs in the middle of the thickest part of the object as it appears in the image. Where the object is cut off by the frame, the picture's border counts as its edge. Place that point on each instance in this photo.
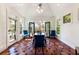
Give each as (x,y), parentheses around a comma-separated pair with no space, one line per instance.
(42,50)
(35,51)
(75,52)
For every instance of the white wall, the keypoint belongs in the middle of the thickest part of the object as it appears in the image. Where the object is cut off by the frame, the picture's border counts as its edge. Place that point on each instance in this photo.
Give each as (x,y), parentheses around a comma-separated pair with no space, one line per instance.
(39,20)
(2,27)
(69,31)
(70,34)
(5,12)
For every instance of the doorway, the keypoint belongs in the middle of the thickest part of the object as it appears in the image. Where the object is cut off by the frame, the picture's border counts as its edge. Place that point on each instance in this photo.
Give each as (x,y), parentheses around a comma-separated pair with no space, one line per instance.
(31,28)
(12,29)
(47,29)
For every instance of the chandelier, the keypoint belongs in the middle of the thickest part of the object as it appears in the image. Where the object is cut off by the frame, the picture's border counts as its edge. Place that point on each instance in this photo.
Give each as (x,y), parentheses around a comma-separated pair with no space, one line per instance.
(39,8)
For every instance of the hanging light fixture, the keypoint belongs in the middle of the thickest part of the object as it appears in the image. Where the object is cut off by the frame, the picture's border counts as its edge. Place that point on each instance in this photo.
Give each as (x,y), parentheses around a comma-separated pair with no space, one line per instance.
(39,8)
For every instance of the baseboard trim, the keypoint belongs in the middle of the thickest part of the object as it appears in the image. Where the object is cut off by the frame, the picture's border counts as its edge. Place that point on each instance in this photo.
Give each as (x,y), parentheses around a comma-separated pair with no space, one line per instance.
(9,46)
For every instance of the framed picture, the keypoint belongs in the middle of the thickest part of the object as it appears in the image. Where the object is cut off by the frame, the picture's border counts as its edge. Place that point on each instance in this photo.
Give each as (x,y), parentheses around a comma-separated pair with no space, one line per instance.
(67,18)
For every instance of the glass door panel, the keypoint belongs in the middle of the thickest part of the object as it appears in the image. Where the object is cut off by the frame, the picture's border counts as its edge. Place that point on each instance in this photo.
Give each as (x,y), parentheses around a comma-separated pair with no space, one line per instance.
(31,28)
(12,29)
(47,29)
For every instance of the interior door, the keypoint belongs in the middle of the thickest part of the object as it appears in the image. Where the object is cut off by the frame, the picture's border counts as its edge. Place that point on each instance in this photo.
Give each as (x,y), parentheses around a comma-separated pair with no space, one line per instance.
(47,29)
(31,28)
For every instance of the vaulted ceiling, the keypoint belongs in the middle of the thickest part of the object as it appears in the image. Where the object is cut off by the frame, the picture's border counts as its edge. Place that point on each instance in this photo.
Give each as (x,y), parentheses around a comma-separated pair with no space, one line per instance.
(28,10)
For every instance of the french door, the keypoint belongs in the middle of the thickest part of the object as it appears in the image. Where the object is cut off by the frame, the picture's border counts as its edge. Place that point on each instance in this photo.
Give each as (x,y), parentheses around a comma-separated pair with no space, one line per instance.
(47,29)
(12,29)
(31,28)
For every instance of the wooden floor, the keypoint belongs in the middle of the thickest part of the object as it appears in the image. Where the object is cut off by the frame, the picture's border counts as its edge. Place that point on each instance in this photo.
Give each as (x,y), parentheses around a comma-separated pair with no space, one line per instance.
(53,47)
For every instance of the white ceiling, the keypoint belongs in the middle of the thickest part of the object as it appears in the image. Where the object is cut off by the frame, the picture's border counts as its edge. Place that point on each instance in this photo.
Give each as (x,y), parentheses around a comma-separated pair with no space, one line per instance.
(28,10)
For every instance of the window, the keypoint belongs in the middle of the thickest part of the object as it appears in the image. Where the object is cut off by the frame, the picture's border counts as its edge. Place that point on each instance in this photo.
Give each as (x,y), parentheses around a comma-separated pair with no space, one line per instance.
(12,29)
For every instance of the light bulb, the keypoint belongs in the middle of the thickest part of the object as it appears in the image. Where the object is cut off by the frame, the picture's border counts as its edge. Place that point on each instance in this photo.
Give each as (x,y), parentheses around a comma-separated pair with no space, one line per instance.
(38,7)
(39,10)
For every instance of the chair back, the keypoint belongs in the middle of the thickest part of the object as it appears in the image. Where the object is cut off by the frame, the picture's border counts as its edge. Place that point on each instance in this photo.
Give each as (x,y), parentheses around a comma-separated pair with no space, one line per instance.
(25,32)
(53,33)
(39,40)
